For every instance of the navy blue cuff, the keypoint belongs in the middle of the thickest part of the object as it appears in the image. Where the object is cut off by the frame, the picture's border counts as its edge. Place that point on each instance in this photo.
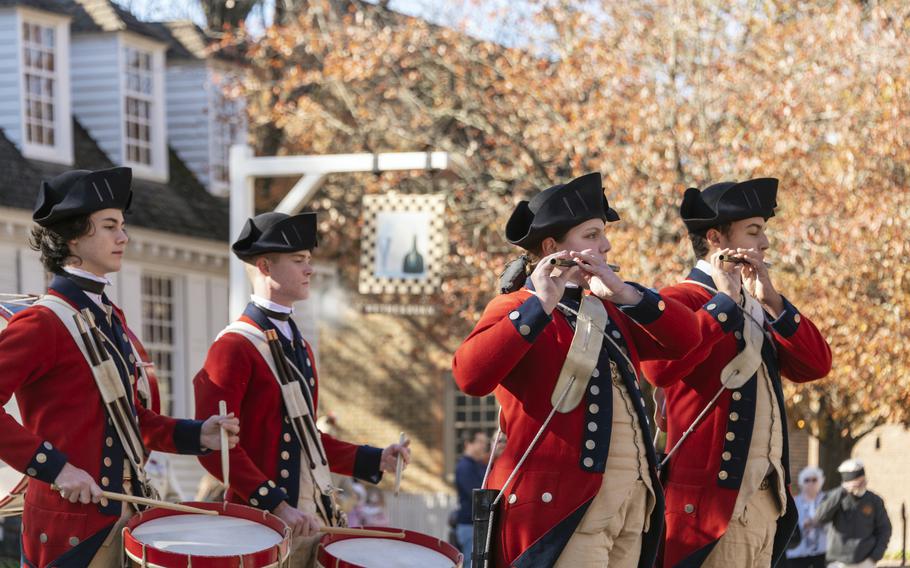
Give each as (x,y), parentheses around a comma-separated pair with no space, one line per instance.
(723,309)
(366,464)
(530,318)
(46,464)
(267,496)
(188,437)
(787,322)
(648,309)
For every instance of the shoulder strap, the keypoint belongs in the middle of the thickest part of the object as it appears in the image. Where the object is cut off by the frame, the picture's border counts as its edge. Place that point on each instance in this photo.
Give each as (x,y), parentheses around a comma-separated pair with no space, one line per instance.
(256,338)
(582,356)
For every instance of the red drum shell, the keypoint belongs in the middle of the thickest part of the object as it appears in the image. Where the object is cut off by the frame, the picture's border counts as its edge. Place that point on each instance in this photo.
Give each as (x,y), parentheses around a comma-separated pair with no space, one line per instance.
(272,556)
(325,559)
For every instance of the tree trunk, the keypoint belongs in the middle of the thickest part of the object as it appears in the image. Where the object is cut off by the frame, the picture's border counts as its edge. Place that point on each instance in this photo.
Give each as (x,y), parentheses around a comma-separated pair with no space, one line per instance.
(833,446)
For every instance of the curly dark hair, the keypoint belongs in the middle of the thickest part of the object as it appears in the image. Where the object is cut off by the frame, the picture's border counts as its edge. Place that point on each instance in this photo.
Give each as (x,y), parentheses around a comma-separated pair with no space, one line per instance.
(700,245)
(53,242)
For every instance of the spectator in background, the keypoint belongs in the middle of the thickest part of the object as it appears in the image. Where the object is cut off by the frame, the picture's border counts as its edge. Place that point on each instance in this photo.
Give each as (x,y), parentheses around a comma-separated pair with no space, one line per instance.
(810,552)
(469,476)
(860,529)
(370,508)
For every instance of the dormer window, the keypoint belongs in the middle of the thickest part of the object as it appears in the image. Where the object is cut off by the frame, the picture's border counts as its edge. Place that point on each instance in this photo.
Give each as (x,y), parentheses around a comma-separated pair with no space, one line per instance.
(46,123)
(39,73)
(139,99)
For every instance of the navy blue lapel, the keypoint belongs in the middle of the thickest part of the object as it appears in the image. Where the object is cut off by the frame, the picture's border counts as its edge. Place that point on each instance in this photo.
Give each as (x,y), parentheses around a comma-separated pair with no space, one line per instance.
(291,350)
(699,276)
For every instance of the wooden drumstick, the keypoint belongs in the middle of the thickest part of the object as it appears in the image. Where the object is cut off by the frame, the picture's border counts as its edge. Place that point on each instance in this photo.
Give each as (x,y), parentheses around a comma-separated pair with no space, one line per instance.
(156,503)
(225,451)
(361,532)
(398,465)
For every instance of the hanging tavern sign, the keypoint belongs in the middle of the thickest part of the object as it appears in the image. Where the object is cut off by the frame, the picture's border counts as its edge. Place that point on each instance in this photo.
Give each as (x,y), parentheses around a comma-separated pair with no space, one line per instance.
(402,244)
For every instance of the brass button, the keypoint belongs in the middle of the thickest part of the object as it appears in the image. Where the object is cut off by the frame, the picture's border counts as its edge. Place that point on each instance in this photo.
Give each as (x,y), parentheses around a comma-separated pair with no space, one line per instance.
(734,416)
(109,442)
(105,481)
(590,444)
(796,318)
(514,315)
(285,455)
(31,472)
(737,395)
(272,484)
(254,502)
(107,462)
(524,329)
(722,475)
(593,409)
(689,508)
(285,473)
(74,541)
(726,456)
(616,334)
(595,390)
(738,334)
(592,426)
(512,499)
(48,446)
(263,491)
(722,317)
(595,373)
(661,305)
(731,436)
(312,382)
(546,497)
(588,462)
(43,538)
(41,458)
(712,306)
(287,437)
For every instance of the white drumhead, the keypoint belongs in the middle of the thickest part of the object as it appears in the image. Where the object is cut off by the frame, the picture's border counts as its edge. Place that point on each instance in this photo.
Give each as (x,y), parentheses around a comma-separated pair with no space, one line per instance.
(387,553)
(205,535)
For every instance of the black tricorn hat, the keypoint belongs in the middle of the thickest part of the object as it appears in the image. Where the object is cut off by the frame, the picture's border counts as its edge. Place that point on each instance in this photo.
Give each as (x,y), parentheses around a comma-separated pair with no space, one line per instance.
(726,202)
(82,192)
(276,232)
(558,209)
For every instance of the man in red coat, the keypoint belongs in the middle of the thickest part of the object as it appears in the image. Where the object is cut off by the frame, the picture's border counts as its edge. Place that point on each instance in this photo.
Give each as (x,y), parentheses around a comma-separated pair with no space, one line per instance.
(728,499)
(65,438)
(586,493)
(269,469)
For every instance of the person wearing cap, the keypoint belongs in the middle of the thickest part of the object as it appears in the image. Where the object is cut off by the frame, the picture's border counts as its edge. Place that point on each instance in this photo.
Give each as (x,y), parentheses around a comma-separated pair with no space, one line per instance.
(66,445)
(586,493)
(860,529)
(809,549)
(267,468)
(728,502)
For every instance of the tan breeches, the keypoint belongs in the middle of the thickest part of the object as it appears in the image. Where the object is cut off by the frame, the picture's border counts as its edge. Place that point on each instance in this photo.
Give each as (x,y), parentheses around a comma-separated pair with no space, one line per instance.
(749,540)
(609,534)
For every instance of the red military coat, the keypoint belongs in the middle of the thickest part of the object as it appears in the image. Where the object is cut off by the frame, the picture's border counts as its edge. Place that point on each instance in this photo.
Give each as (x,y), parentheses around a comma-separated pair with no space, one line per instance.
(517,352)
(64,421)
(265,465)
(699,502)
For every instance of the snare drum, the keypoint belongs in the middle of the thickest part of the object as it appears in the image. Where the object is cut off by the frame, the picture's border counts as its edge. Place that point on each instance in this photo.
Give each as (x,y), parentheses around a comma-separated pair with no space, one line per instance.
(12,482)
(415,550)
(239,536)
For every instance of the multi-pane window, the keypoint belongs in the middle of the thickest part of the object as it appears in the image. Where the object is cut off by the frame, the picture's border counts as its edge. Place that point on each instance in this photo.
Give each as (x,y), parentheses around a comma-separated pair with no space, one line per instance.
(40,81)
(158,330)
(138,105)
(473,413)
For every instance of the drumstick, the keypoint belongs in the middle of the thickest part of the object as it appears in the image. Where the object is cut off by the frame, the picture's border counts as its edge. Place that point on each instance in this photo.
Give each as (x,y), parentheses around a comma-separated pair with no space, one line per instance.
(225,451)
(398,464)
(155,503)
(361,532)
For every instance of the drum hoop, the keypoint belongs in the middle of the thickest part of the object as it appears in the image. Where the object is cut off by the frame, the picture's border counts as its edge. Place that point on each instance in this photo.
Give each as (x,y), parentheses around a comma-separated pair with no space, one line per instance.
(131,545)
(325,558)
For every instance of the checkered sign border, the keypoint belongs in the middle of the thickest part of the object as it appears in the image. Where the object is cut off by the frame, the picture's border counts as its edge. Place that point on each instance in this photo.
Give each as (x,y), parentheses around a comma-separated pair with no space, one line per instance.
(368,282)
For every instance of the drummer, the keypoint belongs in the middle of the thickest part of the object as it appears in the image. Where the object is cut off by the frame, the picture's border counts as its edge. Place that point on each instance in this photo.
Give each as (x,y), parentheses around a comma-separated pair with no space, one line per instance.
(584,492)
(65,439)
(269,468)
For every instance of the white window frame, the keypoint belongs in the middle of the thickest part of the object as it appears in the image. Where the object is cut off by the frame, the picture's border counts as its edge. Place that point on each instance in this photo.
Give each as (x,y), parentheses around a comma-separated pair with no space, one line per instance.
(173,401)
(61,151)
(157,170)
(220,146)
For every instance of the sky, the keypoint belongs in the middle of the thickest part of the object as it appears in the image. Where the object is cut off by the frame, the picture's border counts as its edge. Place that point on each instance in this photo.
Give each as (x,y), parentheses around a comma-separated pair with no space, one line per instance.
(488,19)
